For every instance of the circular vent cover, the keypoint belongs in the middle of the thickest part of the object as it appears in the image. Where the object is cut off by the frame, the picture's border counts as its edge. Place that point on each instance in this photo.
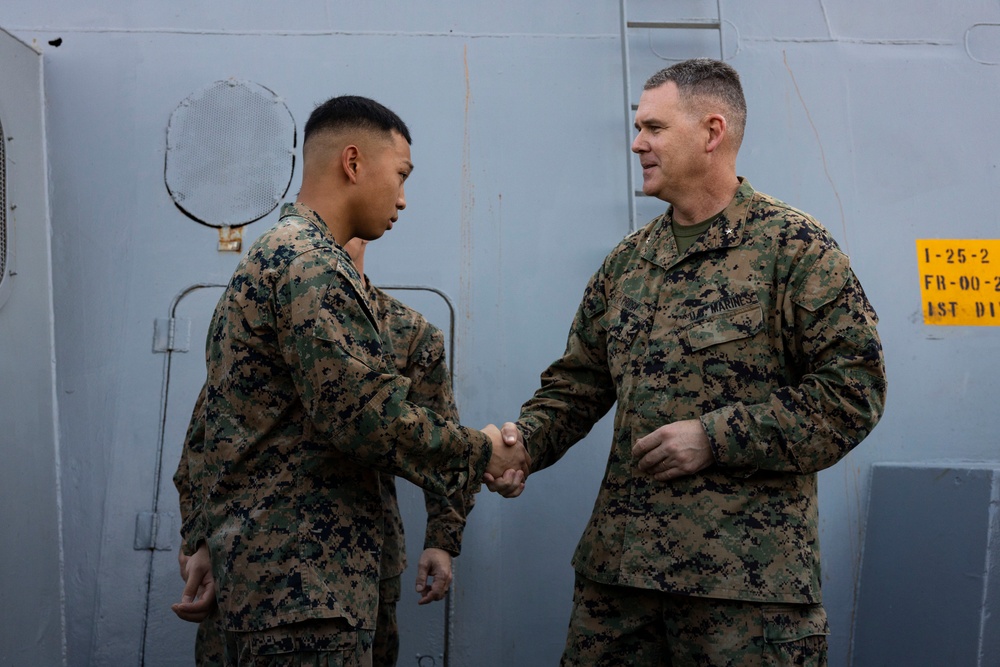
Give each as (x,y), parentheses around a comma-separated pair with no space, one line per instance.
(230,153)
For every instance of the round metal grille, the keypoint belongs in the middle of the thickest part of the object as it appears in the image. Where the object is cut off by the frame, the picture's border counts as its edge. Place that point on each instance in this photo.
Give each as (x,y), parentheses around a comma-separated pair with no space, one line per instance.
(230,153)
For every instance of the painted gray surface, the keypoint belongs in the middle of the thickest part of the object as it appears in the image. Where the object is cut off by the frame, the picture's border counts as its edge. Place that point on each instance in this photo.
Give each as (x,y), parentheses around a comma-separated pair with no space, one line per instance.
(31,620)
(928,579)
(877,119)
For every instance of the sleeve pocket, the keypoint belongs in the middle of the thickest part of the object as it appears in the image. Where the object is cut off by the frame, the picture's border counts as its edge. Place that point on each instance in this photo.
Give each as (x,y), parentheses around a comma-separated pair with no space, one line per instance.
(347,326)
(825,278)
(593,302)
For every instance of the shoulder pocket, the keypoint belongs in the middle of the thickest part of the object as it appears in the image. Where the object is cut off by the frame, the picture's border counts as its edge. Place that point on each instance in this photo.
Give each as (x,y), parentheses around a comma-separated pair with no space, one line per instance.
(593,301)
(341,320)
(823,281)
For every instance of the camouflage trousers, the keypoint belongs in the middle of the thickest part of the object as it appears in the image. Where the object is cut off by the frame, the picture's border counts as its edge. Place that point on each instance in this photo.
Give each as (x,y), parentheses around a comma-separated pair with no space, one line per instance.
(210,644)
(656,629)
(319,643)
(385,650)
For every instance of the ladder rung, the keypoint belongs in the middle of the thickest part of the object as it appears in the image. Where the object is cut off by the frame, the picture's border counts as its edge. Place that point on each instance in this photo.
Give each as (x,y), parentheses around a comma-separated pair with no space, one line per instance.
(689,24)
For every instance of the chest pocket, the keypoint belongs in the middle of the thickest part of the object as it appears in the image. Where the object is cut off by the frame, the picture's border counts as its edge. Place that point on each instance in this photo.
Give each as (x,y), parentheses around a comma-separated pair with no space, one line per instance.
(731,325)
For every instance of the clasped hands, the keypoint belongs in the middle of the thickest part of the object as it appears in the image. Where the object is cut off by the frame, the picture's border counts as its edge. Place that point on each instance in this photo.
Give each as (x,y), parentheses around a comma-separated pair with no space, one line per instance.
(671,451)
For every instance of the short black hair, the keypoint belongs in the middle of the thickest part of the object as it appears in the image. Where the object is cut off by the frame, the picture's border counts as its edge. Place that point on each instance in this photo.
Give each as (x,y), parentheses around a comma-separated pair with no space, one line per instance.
(353,111)
(711,78)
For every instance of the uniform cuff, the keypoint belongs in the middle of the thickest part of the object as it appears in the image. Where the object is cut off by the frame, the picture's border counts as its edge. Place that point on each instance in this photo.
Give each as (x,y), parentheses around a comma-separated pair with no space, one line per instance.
(731,441)
(445,536)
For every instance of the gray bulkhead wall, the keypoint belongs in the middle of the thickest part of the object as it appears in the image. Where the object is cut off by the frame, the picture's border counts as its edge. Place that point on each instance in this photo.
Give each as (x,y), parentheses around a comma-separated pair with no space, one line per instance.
(32,625)
(878,120)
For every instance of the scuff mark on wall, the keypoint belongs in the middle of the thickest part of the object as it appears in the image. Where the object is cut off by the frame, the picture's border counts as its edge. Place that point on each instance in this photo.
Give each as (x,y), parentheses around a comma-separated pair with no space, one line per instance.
(822,153)
(468,203)
(848,40)
(499,247)
(826,19)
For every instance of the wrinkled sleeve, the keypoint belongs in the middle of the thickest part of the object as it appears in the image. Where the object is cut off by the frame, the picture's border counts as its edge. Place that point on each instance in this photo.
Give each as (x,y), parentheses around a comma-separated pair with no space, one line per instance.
(188,481)
(431,387)
(577,389)
(840,391)
(332,344)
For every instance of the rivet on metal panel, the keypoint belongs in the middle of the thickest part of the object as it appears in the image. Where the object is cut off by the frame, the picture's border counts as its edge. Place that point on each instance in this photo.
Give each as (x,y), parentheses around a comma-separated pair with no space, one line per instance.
(230,239)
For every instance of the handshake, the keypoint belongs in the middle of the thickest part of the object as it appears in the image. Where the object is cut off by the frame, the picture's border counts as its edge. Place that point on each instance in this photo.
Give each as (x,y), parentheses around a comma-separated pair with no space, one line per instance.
(510,464)
(674,450)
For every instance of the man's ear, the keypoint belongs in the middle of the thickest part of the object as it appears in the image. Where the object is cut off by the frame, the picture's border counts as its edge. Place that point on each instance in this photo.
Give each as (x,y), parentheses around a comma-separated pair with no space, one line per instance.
(349,159)
(717,127)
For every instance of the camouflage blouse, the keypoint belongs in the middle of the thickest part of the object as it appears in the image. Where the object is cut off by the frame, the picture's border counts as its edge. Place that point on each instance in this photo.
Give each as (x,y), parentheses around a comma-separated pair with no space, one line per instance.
(760,330)
(302,413)
(415,347)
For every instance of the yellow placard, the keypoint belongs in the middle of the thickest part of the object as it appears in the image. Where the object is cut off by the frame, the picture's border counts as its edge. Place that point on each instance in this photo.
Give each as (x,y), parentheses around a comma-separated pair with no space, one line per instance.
(959,281)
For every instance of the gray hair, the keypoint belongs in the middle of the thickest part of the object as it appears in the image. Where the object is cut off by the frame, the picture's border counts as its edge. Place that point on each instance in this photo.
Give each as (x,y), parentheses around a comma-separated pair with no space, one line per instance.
(707,78)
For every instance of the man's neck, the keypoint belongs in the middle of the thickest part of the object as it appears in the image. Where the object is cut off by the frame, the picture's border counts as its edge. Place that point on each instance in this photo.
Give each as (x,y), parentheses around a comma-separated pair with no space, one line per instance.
(330,213)
(705,203)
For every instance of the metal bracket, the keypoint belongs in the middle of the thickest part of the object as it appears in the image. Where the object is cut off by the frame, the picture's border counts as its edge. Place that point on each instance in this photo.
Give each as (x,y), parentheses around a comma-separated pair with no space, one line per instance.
(154,531)
(171,334)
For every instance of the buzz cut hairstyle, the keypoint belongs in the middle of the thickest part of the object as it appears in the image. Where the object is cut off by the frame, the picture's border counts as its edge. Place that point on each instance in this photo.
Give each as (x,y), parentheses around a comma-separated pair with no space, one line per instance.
(355,112)
(709,78)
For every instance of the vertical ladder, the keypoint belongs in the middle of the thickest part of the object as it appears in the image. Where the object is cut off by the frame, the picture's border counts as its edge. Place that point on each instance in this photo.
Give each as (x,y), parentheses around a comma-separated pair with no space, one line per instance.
(627,25)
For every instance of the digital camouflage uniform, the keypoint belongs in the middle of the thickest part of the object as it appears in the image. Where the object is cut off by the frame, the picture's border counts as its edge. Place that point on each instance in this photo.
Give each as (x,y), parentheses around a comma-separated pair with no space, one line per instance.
(210,640)
(417,351)
(762,332)
(302,415)
(416,348)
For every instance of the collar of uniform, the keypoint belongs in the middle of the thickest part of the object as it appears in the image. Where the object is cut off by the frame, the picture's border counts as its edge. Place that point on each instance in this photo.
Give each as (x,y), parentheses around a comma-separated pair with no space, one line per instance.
(312,216)
(726,232)
(361,287)
(371,292)
(345,265)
